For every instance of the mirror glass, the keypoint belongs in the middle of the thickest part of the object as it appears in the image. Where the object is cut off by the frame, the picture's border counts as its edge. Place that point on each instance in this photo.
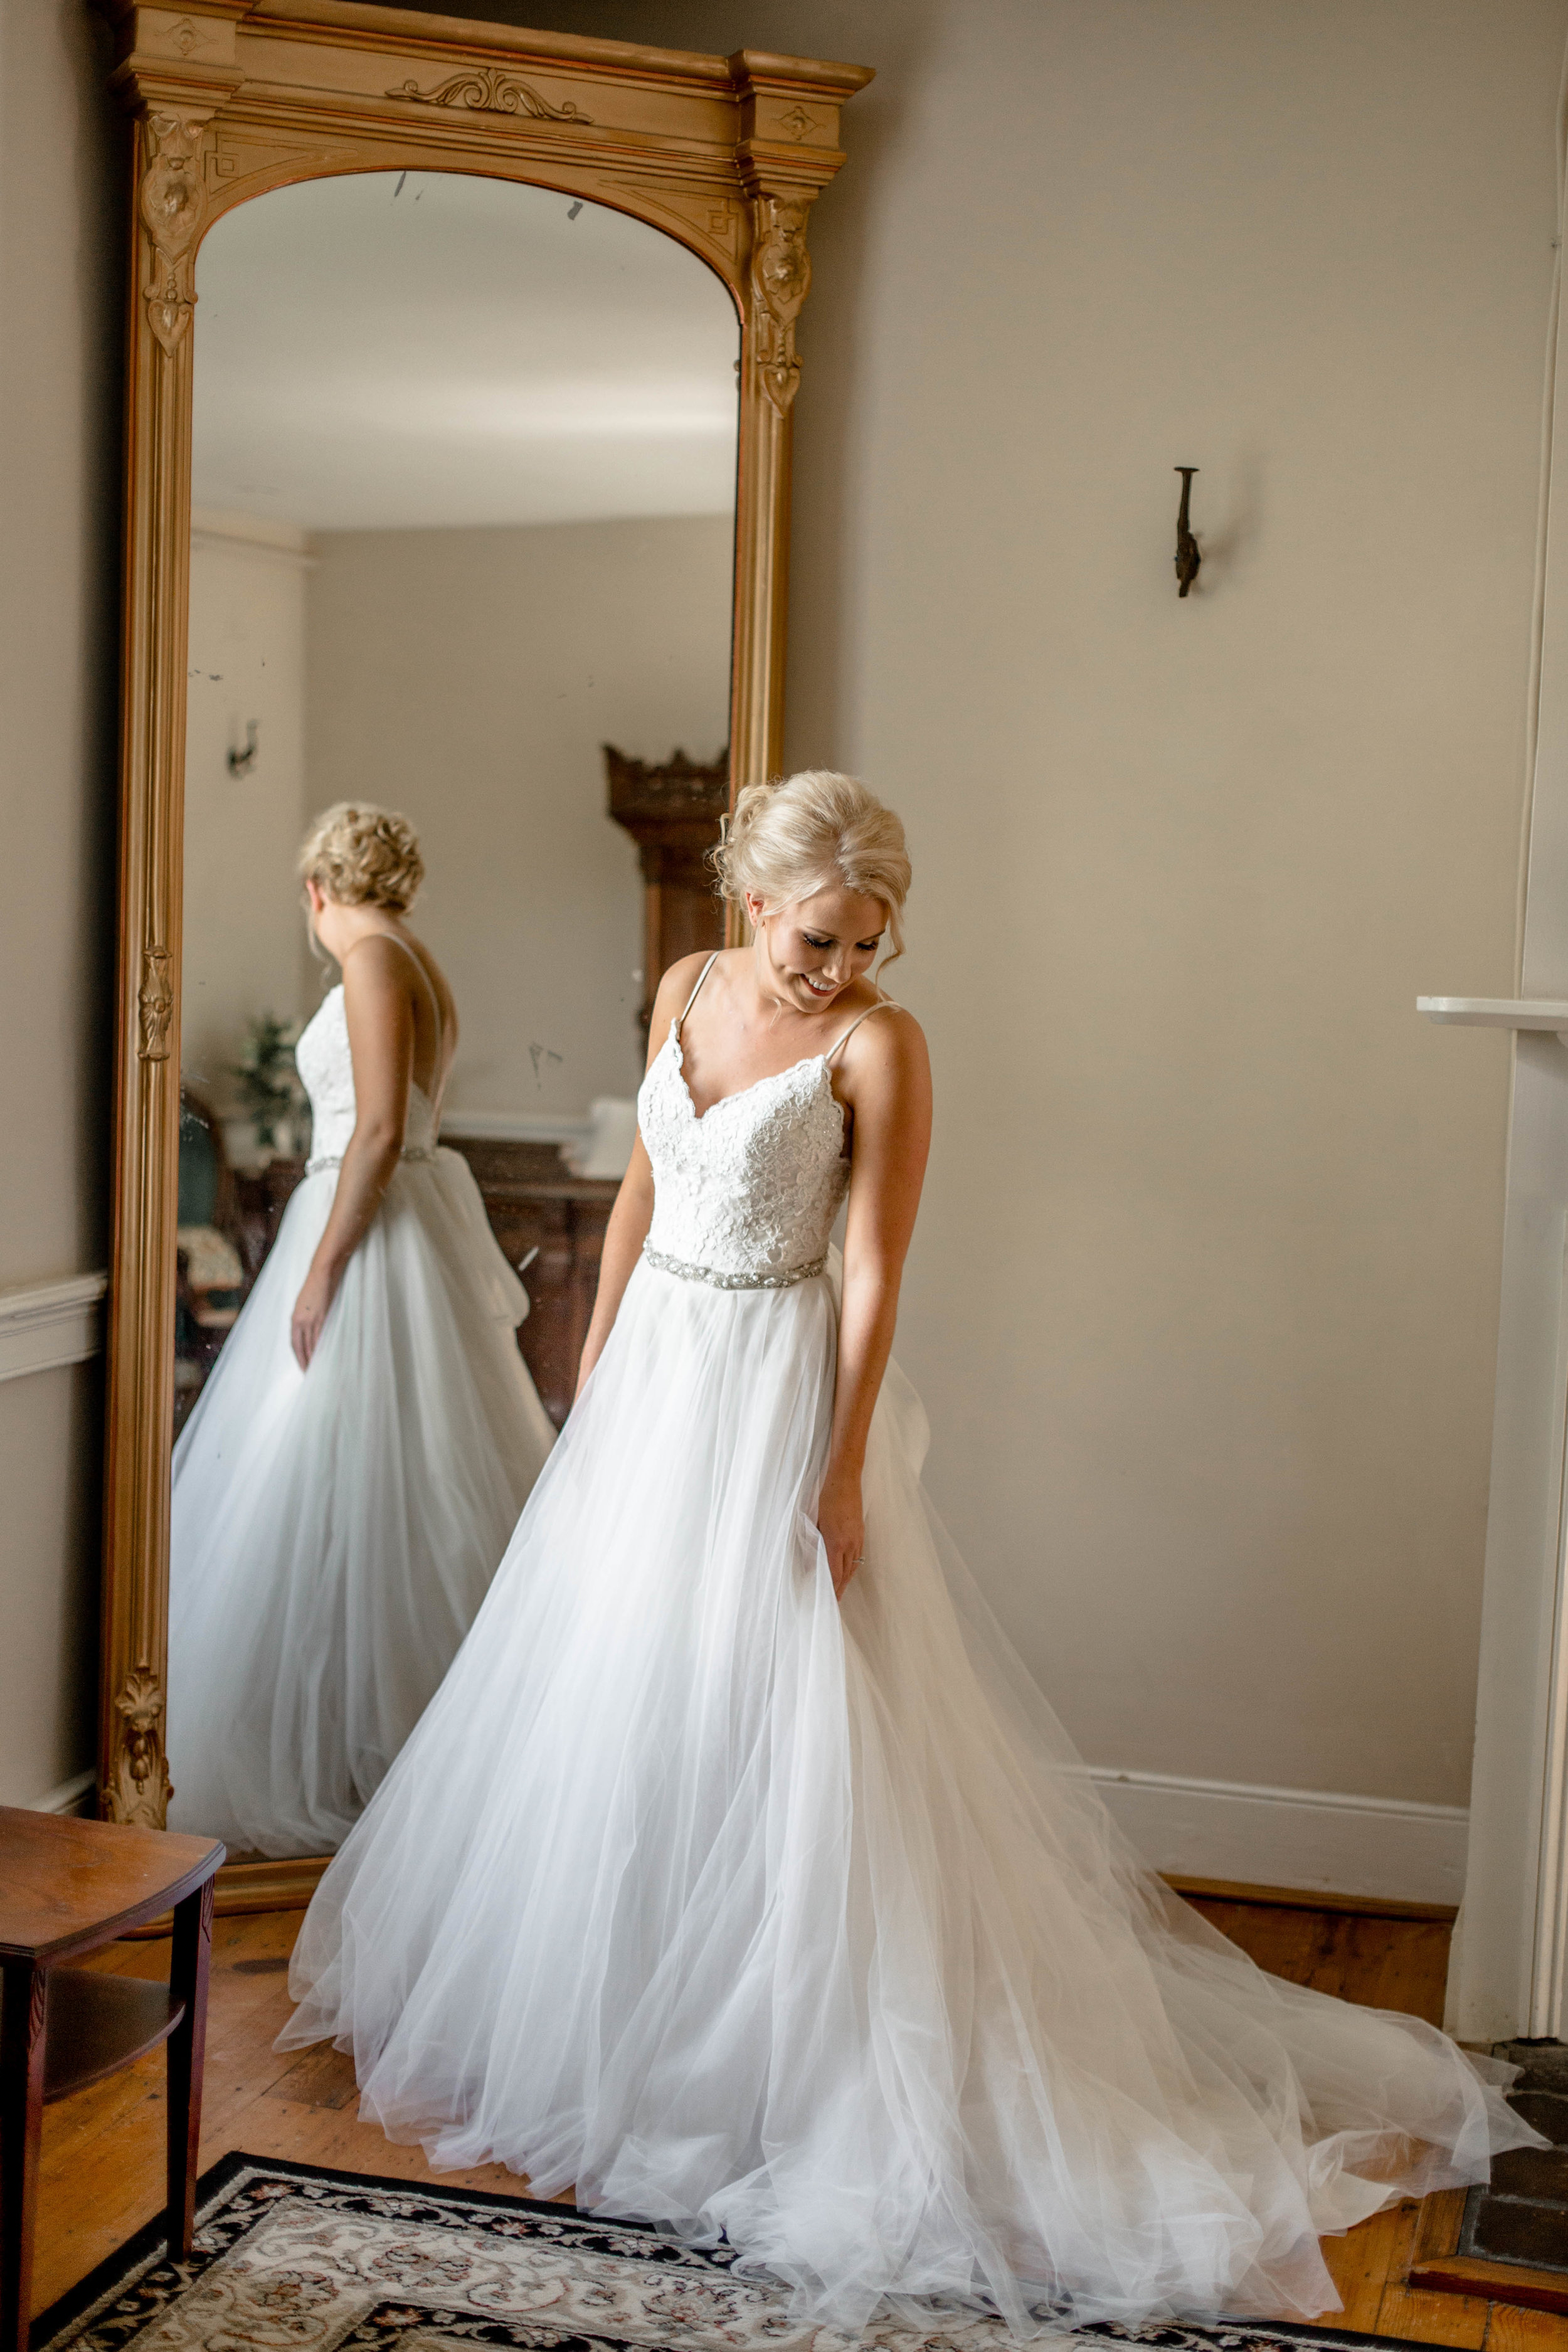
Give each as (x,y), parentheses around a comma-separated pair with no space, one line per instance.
(462,552)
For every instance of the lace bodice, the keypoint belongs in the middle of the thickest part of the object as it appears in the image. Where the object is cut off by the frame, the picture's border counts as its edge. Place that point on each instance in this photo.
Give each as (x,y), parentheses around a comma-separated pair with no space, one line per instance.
(326,1068)
(752,1187)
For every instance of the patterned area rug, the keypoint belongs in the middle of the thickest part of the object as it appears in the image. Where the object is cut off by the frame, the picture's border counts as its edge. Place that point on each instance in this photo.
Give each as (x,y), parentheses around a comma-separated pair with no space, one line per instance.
(293,2259)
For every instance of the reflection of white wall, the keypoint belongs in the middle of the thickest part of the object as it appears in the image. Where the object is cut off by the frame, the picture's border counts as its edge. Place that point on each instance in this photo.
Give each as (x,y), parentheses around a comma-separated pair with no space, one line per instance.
(243,924)
(469,677)
(425,350)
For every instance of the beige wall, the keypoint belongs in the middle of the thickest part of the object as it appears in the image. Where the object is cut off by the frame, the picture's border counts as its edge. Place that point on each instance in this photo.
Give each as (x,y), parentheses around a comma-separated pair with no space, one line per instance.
(244,929)
(469,678)
(61,177)
(1203,1297)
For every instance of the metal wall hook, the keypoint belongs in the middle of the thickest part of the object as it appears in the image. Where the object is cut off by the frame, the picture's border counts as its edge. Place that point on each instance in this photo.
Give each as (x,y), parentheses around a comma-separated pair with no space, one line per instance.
(1188,554)
(240,763)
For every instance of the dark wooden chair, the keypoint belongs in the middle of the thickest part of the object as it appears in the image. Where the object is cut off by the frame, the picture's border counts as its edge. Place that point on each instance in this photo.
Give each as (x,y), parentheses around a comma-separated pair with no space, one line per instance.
(66,1887)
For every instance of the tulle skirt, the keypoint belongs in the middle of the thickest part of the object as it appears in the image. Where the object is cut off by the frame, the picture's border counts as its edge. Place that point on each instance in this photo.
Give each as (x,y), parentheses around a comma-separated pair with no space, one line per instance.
(334,1531)
(757,1916)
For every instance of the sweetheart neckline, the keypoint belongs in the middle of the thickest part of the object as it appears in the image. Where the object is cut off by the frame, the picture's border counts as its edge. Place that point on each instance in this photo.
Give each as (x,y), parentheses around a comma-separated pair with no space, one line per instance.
(673,1044)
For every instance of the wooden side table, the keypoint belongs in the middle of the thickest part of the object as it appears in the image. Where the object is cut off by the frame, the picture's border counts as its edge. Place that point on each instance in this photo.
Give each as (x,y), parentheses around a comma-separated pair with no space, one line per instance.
(66,1887)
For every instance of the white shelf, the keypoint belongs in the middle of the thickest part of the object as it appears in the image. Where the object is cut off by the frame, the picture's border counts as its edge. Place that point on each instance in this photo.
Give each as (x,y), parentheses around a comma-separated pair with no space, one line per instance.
(1498,1012)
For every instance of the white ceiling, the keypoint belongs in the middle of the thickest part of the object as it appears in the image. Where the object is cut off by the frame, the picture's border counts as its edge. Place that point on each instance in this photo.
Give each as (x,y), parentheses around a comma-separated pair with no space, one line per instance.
(430,349)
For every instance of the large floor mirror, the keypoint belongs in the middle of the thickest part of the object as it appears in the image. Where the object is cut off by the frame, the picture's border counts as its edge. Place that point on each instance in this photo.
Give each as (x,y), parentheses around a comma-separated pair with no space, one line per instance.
(459,490)
(462,475)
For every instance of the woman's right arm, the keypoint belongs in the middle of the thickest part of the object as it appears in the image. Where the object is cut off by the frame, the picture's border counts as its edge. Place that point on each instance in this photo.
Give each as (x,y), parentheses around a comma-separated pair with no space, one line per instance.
(633,1212)
(624,1237)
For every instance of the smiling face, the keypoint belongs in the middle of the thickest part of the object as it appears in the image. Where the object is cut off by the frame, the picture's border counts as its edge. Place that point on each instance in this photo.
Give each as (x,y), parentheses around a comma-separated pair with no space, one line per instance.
(809,953)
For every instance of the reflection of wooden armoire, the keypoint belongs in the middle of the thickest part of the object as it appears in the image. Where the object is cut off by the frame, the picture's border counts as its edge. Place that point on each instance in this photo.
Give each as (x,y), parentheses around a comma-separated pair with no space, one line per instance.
(673,813)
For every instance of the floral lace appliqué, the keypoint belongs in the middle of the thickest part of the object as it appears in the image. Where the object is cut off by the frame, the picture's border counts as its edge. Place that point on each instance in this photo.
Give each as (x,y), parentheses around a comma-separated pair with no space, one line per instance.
(752,1187)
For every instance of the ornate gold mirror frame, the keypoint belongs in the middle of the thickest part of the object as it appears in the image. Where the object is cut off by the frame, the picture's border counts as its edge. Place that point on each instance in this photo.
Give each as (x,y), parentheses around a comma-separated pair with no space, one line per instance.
(232,99)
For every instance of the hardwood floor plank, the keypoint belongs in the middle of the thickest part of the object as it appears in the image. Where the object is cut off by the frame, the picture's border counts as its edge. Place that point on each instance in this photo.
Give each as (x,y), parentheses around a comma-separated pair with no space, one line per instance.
(1425,2319)
(1381,1963)
(1359,2262)
(1513,2330)
(1448,2319)
(318,2078)
(1441,2219)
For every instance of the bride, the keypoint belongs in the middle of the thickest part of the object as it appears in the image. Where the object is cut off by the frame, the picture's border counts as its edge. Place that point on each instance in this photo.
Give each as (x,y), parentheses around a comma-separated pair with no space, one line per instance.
(738,1876)
(347,1481)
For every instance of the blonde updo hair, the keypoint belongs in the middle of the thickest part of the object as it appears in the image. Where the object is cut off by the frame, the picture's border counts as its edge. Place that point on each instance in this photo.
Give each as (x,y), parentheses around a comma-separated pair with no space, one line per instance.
(360,855)
(802,833)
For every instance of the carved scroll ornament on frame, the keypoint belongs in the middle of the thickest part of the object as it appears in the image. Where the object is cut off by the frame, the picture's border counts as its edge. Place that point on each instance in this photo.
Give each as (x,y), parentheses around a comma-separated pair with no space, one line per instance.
(139,1792)
(490,90)
(155,1005)
(781,280)
(173,204)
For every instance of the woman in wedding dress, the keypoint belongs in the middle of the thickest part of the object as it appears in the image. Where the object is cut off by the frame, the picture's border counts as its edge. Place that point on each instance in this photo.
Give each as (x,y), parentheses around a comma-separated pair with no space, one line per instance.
(737,1877)
(348,1479)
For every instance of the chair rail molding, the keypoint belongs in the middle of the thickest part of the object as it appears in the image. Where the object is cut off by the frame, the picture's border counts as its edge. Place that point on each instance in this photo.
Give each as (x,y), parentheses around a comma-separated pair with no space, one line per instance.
(51,1323)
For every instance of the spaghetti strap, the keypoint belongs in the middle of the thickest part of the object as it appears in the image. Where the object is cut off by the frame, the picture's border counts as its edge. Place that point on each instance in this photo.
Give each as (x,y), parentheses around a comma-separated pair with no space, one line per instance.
(430,989)
(692,998)
(887,1004)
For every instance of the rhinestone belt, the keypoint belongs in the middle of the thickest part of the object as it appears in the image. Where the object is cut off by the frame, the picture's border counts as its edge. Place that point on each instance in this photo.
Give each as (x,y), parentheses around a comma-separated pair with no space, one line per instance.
(335,1158)
(710,1273)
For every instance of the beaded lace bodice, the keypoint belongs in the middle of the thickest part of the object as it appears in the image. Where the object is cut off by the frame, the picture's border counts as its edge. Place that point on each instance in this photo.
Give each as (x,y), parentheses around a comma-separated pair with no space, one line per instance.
(751,1187)
(326,1069)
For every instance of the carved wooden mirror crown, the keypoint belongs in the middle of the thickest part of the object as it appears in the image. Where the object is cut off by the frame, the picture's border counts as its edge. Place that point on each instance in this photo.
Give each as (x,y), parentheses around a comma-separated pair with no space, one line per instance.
(234,98)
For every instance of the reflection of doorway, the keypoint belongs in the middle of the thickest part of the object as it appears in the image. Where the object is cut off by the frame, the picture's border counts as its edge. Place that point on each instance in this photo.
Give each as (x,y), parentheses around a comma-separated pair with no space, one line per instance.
(675,815)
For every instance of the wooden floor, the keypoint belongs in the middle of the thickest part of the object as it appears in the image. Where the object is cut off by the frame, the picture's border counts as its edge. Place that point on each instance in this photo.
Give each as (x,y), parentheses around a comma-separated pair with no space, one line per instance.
(103,2149)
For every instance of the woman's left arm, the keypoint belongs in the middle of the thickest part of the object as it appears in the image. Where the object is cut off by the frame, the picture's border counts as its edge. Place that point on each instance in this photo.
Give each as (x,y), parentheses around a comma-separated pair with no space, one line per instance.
(888,1087)
(380,1015)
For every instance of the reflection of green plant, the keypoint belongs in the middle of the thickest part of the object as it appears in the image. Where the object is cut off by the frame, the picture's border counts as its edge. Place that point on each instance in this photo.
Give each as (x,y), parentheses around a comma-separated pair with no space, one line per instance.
(269,1083)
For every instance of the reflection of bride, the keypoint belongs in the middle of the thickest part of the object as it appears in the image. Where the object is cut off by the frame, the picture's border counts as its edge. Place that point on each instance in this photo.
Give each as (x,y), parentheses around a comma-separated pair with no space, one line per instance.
(351,1471)
(755,1890)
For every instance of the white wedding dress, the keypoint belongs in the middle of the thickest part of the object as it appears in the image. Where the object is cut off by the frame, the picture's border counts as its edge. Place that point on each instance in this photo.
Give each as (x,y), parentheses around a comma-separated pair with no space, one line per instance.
(747,1912)
(334,1531)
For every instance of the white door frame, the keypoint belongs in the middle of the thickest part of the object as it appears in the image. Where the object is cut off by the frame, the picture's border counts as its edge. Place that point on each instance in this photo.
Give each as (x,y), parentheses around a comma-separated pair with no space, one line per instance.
(1509,1976)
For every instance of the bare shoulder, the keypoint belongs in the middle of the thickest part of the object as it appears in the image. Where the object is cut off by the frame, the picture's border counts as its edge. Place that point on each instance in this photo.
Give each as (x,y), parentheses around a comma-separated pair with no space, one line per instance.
(677,985)
(888,1048)
(681,978)
(674,989)
(376,965)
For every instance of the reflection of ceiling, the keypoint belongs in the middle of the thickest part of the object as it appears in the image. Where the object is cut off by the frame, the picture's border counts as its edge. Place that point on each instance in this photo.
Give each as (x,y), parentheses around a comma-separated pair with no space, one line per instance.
(396,350)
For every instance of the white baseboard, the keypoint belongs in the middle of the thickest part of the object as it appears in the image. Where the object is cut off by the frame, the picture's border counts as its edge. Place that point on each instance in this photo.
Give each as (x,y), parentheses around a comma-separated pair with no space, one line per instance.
(51,1323)
(1310,1838)
(71,1796)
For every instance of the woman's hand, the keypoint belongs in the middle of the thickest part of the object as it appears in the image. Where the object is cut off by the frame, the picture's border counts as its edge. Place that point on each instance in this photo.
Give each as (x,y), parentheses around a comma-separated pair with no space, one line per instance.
(316,1296)
(841,1523)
